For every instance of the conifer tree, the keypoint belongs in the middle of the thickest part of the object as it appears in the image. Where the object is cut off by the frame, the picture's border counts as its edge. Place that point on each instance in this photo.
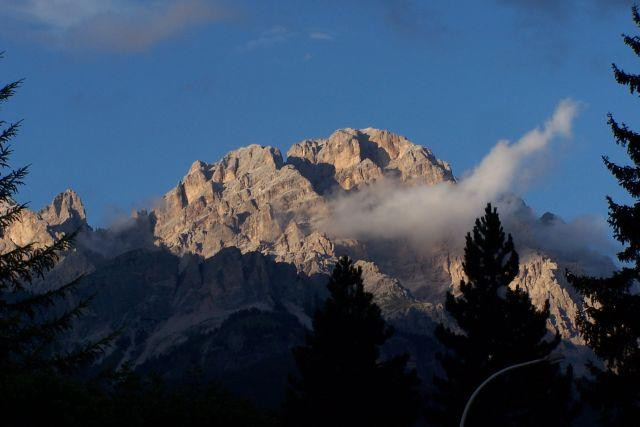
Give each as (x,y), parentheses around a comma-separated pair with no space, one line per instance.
(342,381)
(495,327)
(31,321)
(610,321)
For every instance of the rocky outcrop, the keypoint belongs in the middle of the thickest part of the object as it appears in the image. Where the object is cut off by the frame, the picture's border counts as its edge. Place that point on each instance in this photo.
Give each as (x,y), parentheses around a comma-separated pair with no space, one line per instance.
(254,200)
(65,214)
(350,158)
(243,233)
(161,299)
(245,200)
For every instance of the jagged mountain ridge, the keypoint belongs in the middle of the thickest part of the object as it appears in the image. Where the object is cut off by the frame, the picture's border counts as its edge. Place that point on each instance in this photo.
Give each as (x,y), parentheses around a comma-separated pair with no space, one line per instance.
(245,232)
(254,200)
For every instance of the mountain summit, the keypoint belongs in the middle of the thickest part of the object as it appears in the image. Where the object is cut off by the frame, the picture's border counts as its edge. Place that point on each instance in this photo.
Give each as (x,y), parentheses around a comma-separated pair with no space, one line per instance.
(241,239)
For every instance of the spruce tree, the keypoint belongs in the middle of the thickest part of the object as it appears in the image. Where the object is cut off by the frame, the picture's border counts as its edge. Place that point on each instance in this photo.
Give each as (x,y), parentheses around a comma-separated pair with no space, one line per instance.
(342,381)
(31,322)
(496,326)
(610,321)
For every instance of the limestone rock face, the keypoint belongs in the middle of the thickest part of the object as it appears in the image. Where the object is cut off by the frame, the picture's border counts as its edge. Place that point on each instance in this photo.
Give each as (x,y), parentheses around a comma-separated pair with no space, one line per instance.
(254,200)
(352,158)
(30,228)
(66,213)
(162,299)
(543,278)
(245,200)
(243,233)
(383,287)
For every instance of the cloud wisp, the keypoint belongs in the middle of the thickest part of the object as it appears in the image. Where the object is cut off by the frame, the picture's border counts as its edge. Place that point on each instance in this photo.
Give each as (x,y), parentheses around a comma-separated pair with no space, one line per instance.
(429,216)
(275,35)
(109,25)
(279,34)
(320,35)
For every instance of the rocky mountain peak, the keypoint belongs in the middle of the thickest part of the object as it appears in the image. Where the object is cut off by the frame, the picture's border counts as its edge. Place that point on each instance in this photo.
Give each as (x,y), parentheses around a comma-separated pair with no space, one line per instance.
(350,158)
(549,218)
(65,213)
(252,159)
(247,231)
(254,200)
(394,145)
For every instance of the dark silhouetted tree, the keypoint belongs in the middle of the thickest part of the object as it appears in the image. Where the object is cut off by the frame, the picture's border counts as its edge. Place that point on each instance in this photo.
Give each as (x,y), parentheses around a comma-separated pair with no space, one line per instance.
(125,399)
(495,327)
(610,321)
(342,381)
(31,321)
(36,387)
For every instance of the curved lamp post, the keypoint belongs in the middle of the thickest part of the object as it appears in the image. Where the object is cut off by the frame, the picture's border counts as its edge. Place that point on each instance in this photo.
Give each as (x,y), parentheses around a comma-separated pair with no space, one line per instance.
(549,359)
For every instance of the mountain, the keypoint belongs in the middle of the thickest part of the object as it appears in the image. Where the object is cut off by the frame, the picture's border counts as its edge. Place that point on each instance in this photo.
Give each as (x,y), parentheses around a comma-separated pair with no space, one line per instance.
(226,272)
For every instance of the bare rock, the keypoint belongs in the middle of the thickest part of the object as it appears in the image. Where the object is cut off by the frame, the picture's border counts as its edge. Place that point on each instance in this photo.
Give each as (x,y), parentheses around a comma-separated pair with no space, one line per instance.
(359,157)
(243,232)
(66,213)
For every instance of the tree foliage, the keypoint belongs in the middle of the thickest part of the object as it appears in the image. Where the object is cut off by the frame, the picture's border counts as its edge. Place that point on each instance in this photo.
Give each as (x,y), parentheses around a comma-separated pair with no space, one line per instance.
(31,321)
(496,326)
(342,381)
(610,321)
(123,399)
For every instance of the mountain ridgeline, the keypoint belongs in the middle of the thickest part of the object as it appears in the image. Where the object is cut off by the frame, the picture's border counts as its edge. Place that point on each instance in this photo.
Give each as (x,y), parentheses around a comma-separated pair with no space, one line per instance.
(224,275)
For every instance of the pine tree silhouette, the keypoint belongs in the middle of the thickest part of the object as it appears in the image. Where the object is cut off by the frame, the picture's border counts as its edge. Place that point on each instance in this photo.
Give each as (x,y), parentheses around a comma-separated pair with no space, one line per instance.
(342,381)
(496,327)
(610,321)
(30,321)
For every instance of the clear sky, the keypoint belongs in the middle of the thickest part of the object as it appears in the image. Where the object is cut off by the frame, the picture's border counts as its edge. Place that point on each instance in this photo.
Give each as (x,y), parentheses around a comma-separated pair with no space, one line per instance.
(121,96)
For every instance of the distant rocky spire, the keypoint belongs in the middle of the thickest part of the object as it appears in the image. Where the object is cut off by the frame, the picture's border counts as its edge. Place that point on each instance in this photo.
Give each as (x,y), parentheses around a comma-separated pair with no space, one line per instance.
(66,213)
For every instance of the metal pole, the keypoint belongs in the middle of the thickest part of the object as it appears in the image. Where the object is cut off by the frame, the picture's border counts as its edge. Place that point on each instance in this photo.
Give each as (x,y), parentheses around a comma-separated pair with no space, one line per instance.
(550,359)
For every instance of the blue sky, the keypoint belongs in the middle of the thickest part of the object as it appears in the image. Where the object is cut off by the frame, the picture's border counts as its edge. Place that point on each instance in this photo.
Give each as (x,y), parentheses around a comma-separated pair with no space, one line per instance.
(121,96)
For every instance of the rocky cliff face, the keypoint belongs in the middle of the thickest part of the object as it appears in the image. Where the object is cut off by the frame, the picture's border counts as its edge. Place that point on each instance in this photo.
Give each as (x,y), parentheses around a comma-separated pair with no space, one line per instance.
(350,158)
(64,215)
(244,233)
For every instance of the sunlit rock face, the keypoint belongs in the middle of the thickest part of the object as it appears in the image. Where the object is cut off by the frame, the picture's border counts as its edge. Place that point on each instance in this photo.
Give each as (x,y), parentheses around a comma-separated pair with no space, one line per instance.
(66,213)
(245,200)
(254,200)
(350,158)
(245,232)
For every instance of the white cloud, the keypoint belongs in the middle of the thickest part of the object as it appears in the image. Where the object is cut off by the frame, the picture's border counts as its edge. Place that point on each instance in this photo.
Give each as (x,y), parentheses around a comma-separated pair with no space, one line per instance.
(430,215)
(278,35)
(319,35)
(273,36)
(112,25)
(59,15)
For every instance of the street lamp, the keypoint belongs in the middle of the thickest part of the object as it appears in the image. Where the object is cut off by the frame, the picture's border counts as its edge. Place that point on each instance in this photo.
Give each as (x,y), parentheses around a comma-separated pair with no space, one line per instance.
(552,359)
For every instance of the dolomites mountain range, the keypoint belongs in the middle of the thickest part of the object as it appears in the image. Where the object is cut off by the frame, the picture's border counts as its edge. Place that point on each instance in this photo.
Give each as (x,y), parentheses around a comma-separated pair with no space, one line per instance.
(249,231)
